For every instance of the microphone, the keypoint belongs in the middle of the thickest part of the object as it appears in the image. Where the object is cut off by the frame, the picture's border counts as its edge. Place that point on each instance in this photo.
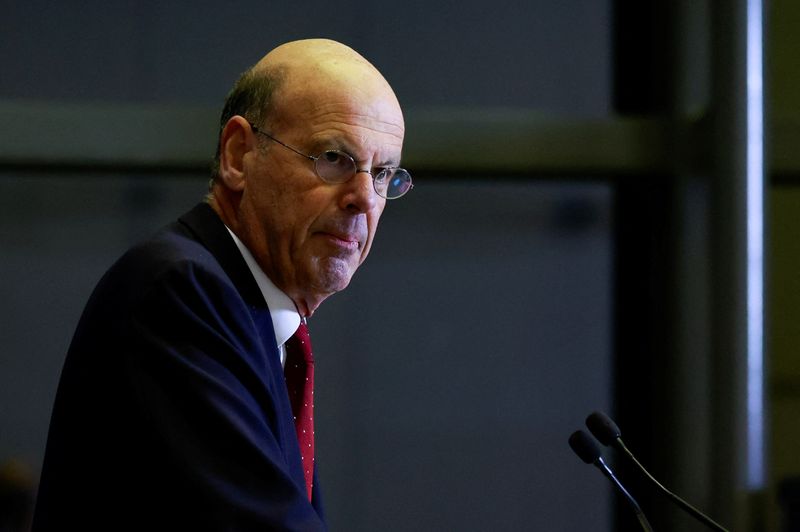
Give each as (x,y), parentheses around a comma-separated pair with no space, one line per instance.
(607,432)
(586,449)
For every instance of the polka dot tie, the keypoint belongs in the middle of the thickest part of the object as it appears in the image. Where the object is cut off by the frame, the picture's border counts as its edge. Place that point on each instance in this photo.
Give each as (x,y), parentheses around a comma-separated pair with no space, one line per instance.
(299,374)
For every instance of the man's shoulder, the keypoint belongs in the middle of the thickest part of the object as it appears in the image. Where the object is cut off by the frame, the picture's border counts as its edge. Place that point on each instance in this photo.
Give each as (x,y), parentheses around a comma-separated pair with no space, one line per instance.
(196,251)
(173,251)
(172,245)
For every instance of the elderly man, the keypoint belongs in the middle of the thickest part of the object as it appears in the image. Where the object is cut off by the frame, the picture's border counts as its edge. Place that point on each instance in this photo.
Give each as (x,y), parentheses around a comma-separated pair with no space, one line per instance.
(185,402)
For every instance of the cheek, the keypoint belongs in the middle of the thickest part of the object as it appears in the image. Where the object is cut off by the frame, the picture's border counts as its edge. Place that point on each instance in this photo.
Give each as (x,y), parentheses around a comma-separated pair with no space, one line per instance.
(302,222)
(270,225)
(286,211)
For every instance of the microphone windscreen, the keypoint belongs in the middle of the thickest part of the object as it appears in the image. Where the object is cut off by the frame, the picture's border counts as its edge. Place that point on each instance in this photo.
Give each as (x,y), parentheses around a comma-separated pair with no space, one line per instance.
(603,428)
(584,446)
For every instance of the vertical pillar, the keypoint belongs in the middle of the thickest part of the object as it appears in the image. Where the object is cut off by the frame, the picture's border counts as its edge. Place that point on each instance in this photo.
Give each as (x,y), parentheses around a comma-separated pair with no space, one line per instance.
(737,274)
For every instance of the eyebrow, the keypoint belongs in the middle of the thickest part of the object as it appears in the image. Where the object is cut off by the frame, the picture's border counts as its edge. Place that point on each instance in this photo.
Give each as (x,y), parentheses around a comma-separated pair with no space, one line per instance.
(388,164)
(343,146)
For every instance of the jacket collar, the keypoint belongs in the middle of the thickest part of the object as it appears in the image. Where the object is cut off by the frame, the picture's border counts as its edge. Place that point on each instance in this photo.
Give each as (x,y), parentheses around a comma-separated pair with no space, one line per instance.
(207,228)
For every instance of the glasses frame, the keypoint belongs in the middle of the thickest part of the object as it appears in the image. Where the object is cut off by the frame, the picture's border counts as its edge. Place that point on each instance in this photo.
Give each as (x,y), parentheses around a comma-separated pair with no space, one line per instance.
(356,170)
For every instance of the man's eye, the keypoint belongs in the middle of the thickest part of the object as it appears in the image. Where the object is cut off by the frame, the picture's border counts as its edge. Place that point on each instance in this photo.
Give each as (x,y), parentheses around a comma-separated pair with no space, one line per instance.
(332,157)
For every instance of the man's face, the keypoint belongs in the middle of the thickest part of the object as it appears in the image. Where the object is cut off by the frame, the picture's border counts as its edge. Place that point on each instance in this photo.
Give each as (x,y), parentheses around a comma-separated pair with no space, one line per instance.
(310,236)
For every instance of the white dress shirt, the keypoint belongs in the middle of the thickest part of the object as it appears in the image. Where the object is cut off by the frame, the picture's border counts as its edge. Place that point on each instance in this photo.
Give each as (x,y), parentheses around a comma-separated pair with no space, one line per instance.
(282,310)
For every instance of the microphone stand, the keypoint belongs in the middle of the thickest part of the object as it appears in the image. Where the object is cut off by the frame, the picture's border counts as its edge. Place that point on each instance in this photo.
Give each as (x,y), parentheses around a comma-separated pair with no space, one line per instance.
(601,465)
(697,514)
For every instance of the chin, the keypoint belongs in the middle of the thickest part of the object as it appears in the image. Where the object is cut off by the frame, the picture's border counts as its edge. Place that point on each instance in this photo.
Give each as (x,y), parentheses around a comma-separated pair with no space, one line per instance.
(333,276)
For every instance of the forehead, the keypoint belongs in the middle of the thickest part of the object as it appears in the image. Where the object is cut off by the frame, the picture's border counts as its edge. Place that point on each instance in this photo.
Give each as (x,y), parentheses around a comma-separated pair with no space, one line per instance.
(364,120)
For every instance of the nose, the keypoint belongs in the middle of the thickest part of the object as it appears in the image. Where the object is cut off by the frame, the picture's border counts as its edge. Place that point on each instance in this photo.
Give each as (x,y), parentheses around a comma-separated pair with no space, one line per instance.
(359,193)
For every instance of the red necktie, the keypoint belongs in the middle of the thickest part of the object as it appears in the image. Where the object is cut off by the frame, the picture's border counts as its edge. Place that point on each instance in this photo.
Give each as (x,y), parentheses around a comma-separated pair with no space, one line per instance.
(299,374)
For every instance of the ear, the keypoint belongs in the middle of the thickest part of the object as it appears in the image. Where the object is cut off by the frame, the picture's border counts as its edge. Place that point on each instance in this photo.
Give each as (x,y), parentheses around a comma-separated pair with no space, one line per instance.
(235,141)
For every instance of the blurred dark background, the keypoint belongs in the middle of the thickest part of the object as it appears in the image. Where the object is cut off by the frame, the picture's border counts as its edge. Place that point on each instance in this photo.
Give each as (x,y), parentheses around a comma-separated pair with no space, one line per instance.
(565,248)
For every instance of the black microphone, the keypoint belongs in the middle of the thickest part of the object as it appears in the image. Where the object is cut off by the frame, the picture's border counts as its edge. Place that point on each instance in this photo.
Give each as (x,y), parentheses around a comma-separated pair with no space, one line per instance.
(607,432)
(586,449)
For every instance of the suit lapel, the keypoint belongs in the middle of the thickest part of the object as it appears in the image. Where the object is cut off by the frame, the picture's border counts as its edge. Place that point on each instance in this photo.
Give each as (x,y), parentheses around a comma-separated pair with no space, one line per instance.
(205,226)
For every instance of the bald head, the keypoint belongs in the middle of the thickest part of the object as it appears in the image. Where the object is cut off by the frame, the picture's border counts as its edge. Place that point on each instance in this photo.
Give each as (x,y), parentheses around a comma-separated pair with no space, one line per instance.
(309,53)
(315,72)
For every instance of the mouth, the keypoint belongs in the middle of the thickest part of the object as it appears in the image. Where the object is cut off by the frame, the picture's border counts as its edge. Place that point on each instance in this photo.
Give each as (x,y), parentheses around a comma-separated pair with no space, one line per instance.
(343,241)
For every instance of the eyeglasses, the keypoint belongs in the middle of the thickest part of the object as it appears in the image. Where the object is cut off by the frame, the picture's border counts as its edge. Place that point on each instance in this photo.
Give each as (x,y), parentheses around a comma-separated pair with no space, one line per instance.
(334,167)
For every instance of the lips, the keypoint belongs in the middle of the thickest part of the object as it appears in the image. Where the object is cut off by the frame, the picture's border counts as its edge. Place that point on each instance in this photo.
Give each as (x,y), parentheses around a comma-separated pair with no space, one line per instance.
(344,240)
(347,234)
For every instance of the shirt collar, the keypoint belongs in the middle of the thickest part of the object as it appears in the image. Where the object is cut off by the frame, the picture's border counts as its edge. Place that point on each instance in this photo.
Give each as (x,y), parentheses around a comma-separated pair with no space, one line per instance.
(282,310)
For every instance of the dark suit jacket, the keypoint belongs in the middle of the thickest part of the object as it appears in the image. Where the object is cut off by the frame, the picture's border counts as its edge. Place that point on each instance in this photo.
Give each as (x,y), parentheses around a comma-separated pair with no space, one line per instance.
(172,411)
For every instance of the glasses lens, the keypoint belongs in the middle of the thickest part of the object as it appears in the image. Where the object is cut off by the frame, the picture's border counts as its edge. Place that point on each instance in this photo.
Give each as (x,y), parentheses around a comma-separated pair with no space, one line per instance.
(335,166)
(391,183)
